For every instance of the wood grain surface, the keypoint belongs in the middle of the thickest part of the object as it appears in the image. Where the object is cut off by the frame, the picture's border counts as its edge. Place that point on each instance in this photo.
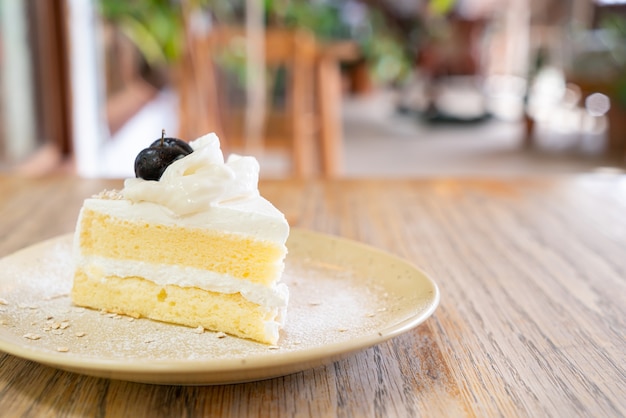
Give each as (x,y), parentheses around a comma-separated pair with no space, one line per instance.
(531,323)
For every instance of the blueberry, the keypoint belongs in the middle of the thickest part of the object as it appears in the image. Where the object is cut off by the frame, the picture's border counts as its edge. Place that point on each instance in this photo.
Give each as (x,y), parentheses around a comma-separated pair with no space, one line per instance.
(151,162)
(173,142)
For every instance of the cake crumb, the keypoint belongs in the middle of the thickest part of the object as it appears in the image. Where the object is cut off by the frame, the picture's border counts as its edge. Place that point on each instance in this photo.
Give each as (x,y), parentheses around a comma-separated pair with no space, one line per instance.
(273,347)
(55,325)
(3,322)
(25,306)
(383,309)
(64,325)
(342,329)
(31,336)
(49,318)
(220,334)
(103,312)
(130,318)
(198,330)
(63,349)
(3,301)
(370,315)
(80,334)
(148,340)
(112,315)
(57,296)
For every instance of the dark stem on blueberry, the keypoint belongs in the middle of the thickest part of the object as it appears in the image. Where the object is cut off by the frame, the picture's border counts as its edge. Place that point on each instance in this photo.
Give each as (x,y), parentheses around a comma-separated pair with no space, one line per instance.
(162,136)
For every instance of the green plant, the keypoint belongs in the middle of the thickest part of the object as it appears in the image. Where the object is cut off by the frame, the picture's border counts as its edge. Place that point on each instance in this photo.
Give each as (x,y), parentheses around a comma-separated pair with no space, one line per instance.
(384,50)
(154,26)
(323,19)
(599,56)
(615,25)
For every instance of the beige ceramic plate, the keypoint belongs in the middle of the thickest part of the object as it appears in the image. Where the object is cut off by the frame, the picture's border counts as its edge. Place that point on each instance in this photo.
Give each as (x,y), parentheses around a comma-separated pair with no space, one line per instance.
(345,296)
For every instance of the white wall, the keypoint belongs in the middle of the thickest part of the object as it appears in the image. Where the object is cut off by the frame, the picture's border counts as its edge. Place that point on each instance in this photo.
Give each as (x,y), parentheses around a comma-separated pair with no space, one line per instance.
(86,74)
(17,83)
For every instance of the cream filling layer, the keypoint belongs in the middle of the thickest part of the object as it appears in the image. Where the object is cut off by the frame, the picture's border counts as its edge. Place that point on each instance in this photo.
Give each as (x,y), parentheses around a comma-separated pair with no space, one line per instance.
(273,327)
(162,274)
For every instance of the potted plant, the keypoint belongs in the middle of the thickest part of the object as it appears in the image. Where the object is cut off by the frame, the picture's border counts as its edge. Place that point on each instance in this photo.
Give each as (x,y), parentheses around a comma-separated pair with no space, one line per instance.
(599,66)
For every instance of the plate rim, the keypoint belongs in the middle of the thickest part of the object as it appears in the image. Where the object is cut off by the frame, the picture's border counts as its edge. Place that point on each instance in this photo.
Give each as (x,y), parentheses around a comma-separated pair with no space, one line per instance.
(95,366)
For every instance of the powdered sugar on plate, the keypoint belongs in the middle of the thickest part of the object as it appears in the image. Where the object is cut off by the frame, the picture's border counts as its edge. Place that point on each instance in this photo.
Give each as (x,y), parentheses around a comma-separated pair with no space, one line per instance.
(335,298)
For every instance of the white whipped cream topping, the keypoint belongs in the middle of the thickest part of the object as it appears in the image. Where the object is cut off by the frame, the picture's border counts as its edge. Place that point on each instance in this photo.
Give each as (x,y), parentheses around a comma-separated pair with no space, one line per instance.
(199,180)
(201,190)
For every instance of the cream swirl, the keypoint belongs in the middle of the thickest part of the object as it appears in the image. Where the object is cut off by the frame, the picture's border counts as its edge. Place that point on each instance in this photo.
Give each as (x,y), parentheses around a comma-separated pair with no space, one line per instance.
(199,180)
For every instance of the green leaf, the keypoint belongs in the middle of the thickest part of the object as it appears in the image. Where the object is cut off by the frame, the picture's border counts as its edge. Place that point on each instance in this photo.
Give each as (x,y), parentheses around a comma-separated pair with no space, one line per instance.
(143,39)
(441,7)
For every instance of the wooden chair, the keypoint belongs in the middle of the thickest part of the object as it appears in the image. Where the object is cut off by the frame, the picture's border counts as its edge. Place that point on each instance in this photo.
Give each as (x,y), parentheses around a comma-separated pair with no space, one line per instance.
(306,123)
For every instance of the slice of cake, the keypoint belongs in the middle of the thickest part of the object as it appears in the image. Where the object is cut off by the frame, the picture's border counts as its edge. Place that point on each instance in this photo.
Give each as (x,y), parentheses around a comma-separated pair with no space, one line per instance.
(198,247)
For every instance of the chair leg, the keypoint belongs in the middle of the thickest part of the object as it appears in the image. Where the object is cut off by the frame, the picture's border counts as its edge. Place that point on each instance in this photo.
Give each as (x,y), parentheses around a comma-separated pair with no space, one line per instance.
(329,111)
(302,122)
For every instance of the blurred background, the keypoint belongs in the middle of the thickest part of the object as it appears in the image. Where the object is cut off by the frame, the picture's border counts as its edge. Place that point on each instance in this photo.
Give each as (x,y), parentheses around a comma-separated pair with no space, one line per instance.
(345,88)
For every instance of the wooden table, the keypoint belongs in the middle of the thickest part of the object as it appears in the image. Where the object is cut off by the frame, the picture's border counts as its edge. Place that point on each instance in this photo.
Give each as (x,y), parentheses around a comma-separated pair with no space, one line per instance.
(531,322)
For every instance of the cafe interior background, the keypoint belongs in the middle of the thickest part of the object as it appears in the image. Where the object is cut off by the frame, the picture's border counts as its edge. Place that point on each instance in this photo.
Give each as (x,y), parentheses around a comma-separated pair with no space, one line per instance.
(346,88)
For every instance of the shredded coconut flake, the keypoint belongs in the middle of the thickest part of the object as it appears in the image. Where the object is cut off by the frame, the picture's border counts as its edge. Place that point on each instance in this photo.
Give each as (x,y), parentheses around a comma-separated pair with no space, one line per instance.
(109,195)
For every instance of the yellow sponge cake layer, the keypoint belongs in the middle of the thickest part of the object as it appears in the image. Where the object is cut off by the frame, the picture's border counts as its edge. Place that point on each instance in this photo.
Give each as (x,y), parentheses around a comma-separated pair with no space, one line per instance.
(233,254)
(134,296)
